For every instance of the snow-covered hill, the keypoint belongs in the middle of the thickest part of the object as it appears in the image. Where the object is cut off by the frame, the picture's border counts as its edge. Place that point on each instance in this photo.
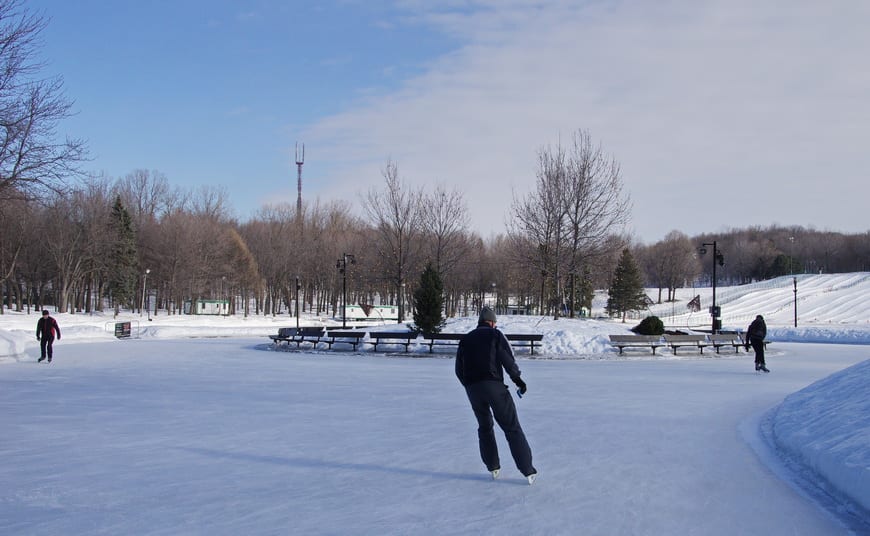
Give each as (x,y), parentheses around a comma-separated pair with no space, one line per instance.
(822,300)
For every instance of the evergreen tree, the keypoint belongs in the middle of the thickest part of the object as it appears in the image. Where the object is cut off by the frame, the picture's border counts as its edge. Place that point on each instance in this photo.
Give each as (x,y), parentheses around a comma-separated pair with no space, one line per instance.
(626,288)
(428,301)
(587,292)
(124,264)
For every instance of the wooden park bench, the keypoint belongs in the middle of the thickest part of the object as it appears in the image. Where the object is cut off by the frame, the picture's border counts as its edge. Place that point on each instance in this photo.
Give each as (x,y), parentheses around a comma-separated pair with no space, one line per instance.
(442,339)
(524,340)
(351,337)
(719,340)
(693,341)
(518,340)
(742,339)
(636,341)
(284,334)
(392,337)
(299,335)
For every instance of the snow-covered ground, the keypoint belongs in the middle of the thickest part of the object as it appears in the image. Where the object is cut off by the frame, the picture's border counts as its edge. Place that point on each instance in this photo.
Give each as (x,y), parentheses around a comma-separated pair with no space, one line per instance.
(199,426)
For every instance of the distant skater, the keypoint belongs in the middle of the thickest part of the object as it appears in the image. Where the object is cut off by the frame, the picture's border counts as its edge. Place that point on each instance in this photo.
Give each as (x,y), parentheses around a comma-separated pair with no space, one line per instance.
(755,334)
(482,356)
(46,330)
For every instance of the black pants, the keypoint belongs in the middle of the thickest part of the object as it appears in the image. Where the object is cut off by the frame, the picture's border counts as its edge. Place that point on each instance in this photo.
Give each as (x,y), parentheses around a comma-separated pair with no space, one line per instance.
(758,346)
(492,399)
(45,344)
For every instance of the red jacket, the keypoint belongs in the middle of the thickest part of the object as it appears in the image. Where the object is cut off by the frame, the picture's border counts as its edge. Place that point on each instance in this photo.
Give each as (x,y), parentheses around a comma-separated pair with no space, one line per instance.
(48,327)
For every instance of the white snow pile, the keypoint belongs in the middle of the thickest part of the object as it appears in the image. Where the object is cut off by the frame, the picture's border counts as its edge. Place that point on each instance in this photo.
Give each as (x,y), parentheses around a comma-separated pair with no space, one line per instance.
(826,427)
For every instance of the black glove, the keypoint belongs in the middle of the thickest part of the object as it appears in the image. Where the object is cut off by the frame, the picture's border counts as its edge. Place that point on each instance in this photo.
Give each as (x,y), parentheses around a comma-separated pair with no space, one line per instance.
(521,384)
(37,338)
(746,346)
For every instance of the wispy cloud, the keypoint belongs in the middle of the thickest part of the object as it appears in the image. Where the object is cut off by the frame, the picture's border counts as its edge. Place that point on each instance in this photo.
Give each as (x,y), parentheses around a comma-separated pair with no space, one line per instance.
(722,113)
(246,16)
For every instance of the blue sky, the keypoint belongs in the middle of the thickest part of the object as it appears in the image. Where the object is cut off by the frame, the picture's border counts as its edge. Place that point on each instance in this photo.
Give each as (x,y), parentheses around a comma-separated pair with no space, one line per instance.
(721,113)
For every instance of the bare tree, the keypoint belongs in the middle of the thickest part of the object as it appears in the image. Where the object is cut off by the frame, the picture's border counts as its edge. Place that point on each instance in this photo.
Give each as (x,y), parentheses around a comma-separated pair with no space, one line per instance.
(539,218)
(596,206)
(577,207)
(31,160)
(66,239)
(671,262)
(394,213)
(146,194)
(444,219)
(14,216)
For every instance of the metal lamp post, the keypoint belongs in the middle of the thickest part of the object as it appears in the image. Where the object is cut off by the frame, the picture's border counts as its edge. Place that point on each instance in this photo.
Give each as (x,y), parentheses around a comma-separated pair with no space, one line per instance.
(715,311)
(795,301)
(341,264)
(494,297)
(298,287)
(402,302)
(144,286)
(543,283)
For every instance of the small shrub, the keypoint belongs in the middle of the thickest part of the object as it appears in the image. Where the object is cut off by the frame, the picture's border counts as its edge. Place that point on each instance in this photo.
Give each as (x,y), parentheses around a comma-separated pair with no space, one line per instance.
(651,325)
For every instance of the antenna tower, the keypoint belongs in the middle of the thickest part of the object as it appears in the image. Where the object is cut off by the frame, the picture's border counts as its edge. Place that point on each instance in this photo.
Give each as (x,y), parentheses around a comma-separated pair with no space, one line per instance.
(300,159)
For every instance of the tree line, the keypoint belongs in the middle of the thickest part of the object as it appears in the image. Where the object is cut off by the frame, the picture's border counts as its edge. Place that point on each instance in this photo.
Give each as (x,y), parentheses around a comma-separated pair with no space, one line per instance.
(89,249)
(749,254)
(137,241)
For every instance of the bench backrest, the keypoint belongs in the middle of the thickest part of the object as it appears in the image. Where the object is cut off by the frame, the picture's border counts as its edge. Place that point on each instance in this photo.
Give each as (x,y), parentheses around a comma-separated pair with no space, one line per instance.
(635,338)
(393,335)
(286,332)
(346,334)
(310,331)
(524,336)
(727,338)
(444,336)
(686,338)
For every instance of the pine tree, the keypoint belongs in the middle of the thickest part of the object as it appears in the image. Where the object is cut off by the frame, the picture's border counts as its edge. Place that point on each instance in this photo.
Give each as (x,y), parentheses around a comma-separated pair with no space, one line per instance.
(626,288)
(123,265)
(428,301)
(587,291)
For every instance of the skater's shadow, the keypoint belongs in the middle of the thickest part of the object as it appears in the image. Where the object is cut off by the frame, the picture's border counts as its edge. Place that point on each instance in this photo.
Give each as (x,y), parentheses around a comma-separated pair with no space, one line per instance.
(329,464)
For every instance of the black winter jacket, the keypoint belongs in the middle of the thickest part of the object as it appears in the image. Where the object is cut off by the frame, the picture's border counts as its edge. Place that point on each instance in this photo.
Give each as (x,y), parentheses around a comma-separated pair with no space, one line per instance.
(482,354)
(756,330)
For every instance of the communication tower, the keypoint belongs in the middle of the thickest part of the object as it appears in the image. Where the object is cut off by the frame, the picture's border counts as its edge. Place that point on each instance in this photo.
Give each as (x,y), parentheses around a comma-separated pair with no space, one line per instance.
(300,159)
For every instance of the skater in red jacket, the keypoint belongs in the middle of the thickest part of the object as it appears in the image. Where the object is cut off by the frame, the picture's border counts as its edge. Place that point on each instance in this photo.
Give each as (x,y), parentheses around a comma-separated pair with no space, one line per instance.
(46,330)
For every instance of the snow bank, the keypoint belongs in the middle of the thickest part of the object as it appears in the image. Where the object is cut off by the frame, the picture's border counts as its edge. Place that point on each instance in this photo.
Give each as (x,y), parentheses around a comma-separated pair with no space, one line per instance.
(826,427)
(825,333)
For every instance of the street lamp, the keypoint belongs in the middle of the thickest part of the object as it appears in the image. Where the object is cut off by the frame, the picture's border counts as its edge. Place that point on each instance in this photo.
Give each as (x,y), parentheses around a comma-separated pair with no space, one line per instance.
(543,283)
(494,297)
(795,301)
(341,264)
(402,302)
(144,286)
(715,311)
(298,287)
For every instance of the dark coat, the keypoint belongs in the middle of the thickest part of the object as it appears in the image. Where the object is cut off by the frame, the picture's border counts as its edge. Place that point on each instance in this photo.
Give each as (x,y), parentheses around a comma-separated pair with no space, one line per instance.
(482,355)
(756,330)
(47,327)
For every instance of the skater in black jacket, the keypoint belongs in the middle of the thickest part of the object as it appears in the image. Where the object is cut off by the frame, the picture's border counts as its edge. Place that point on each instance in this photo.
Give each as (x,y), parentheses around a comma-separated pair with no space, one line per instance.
(46,329)
(755,334)
(482,356)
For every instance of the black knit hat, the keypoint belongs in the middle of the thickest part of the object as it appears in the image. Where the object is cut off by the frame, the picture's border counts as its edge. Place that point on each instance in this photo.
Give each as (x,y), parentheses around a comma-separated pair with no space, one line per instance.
(486,315)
